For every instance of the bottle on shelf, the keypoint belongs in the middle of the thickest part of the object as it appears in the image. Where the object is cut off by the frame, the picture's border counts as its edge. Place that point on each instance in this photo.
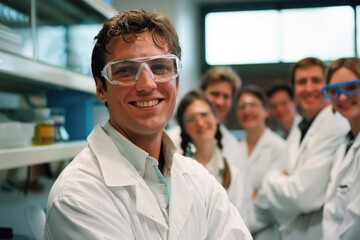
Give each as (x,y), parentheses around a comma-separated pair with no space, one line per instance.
(44,129)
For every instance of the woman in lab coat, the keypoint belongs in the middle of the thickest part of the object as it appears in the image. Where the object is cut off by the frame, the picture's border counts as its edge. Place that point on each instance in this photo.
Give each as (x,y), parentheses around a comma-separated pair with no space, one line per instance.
(201,140)
(261,148)
(341,216)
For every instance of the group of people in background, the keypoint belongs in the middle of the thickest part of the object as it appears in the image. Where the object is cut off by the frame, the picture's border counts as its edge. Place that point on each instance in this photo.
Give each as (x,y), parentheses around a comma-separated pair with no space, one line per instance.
(301,183)
(134,180)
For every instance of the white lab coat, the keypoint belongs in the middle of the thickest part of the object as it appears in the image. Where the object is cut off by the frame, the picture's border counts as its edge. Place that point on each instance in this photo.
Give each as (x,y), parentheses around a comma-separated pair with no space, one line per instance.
(295,125)
(100,195)
(266,155)
(343,194)
(237,186)
(296,200)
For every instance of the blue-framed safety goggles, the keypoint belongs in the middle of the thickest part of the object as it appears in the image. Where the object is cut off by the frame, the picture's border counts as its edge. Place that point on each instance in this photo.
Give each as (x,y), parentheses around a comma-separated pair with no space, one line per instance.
(349,88)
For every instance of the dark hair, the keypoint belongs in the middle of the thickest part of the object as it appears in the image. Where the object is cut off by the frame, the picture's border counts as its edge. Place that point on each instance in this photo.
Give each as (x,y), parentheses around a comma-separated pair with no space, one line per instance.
(188,99)
(280,88)
(221,74)
(304,63)
(352,64)
(126,25)
(255,90)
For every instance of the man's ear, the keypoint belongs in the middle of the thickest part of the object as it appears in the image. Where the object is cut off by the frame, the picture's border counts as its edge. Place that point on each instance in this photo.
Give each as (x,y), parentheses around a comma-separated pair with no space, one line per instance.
(100,91)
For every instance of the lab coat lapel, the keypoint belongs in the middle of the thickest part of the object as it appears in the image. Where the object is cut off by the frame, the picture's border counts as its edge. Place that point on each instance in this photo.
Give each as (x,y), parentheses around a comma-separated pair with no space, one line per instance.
(146,203)
(293,148)
(342,164)
(319,119)
(112,164)
(336,171)
(181,201)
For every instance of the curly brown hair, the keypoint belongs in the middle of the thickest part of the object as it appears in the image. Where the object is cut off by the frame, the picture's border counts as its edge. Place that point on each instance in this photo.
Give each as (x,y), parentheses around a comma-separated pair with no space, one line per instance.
(126,25)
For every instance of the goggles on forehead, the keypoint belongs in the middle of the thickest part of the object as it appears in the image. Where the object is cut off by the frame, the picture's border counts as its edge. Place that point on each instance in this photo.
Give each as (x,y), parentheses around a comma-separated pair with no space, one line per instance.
(126,72)
(349,88)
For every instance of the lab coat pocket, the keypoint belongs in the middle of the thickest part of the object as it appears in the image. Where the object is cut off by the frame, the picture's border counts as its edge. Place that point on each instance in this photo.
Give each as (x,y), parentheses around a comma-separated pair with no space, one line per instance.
(342,198)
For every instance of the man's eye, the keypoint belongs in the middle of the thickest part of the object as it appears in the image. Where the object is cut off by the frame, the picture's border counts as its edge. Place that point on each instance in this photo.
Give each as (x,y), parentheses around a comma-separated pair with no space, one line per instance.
(124,71)
(204,114)
(300,82)
(161,68)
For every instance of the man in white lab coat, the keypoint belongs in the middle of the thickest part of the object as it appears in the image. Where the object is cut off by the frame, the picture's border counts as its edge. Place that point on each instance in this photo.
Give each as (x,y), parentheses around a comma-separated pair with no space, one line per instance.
(295,196)
(129,183)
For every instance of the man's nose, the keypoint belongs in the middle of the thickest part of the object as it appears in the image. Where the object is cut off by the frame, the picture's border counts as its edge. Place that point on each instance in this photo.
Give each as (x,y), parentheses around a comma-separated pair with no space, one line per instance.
(145,79)
(309,86)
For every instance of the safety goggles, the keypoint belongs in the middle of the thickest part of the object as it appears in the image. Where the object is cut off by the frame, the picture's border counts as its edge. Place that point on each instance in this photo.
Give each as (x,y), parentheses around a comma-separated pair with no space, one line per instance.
(126,72)
(333,91)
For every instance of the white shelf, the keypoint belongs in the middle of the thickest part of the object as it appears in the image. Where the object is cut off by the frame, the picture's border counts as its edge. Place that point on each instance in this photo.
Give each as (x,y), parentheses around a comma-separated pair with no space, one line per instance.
(40,73)
(19,157)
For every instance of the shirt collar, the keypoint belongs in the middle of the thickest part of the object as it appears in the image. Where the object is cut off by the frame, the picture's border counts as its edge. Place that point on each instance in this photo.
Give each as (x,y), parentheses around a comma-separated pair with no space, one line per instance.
(135,155)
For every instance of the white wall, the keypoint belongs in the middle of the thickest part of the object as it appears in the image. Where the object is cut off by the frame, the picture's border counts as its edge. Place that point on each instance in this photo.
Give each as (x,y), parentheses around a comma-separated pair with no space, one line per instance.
(183,14)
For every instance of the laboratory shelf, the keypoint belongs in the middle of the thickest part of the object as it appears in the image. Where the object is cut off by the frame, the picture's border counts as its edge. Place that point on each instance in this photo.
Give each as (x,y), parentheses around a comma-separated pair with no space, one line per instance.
(32,155)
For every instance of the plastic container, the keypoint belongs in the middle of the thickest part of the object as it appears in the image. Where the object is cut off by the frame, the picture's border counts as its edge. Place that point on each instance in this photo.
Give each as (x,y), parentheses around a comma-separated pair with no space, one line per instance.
(16,134)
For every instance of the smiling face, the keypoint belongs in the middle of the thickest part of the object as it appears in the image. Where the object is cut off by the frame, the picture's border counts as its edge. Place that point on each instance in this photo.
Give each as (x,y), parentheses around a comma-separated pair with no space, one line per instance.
(251,114)
(349,107)
(142,109)
(200,122)
(308,82)
(220,95)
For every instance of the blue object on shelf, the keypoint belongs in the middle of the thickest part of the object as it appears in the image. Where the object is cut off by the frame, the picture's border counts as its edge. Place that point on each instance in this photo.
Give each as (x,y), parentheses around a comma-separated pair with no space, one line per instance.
(79,111)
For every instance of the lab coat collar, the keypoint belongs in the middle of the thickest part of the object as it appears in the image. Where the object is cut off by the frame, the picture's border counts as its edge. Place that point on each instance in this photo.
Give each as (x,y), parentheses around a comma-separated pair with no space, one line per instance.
(113,164)
(319,118)
(135,155)
(264,142)
(349,157)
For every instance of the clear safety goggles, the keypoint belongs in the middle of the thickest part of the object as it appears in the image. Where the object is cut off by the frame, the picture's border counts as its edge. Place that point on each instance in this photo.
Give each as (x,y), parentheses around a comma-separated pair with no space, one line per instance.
(126,72)
(333,91)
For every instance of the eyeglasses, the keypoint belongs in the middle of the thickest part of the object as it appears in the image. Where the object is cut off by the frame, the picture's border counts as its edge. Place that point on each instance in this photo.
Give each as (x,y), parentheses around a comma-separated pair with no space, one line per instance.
(126,72)
(333,91)
(196,116)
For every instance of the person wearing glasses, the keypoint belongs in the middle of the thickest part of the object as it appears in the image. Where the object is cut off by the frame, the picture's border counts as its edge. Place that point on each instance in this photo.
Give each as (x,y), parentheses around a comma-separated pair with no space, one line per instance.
(219,84)
(201,140)
(129,182)
(295,196)
(262,150)
(341,216)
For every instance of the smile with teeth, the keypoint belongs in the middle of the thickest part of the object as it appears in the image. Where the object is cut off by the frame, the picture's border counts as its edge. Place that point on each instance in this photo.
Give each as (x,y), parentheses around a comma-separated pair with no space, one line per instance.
(146,104)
